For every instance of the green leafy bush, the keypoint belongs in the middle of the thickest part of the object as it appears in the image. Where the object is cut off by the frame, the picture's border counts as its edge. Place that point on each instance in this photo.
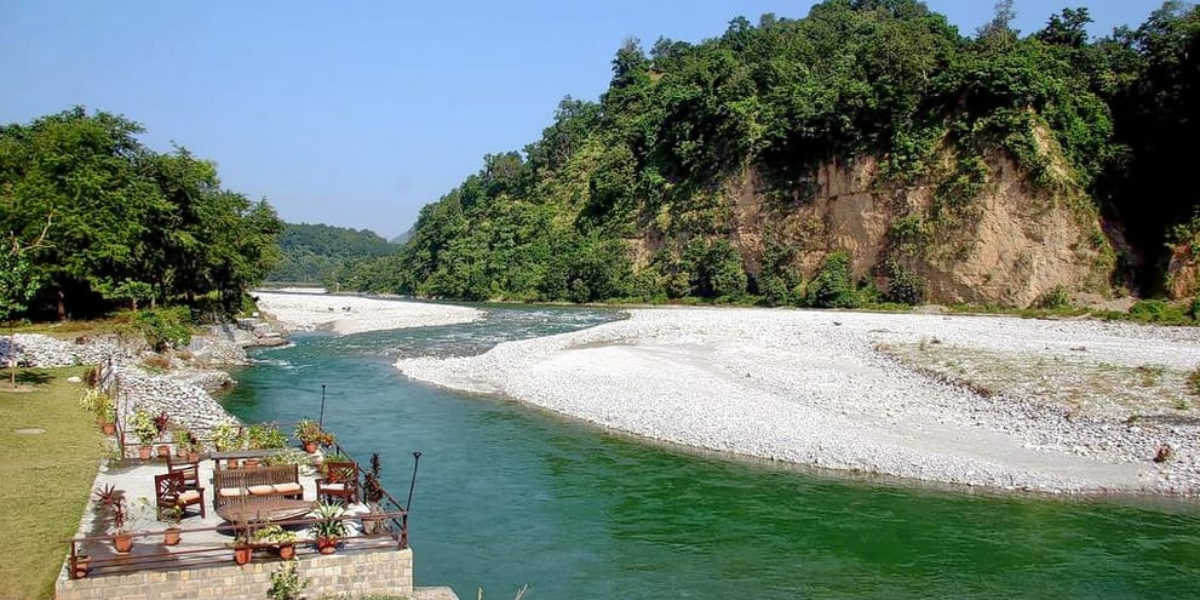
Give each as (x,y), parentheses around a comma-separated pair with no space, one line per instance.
(904,286)
(1157,311)
(165,328)
(833,287)
(265,436)
(144,427)
(1056,298)
(286,583)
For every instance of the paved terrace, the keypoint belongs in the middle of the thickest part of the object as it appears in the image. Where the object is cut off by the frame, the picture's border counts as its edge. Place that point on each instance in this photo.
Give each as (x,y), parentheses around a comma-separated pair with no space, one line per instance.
(206,548)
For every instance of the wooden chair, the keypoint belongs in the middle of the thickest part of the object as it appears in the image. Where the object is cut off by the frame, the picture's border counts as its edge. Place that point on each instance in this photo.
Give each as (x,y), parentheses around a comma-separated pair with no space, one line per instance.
(190,470)
(340,481)
(170,491)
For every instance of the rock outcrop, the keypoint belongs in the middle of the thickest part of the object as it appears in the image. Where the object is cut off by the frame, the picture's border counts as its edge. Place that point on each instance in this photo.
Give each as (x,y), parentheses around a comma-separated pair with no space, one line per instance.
(1009,244)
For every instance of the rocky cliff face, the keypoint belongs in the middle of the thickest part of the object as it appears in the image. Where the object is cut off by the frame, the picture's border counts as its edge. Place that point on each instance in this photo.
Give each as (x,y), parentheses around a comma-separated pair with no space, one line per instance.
(1011,245)
(1183,271)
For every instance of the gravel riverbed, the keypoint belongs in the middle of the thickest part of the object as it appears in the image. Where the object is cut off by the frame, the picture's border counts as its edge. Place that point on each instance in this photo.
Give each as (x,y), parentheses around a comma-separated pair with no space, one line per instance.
(865,392)
(357,314)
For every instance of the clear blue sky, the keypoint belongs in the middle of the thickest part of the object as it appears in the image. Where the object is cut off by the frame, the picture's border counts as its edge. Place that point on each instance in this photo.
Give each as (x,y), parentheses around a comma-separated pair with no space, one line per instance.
(359,113)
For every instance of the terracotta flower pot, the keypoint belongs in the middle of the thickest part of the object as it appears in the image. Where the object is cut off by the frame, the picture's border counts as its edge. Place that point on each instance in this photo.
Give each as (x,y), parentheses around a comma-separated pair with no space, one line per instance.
(123,543)
(164,451)
(287,551)
(180,452)
(327,545)
(250,463)
(172,536)
(243,554)
(193,456)
(83,565)
(372,525)
(144,452)
(108,428)
(310,447)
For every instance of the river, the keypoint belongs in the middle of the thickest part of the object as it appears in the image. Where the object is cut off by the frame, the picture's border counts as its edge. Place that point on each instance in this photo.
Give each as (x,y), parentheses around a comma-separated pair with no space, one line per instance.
(508,495)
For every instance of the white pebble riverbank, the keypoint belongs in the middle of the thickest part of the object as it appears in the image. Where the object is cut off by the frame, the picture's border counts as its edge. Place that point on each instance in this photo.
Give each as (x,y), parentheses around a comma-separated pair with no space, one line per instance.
(811,387)
(357,314)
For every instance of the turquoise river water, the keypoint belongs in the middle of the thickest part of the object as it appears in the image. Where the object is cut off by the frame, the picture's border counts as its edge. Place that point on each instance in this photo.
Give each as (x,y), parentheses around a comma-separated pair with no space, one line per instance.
(508,495)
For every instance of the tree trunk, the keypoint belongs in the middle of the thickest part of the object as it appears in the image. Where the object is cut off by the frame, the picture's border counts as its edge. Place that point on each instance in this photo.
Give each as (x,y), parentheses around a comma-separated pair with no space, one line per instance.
(62,307)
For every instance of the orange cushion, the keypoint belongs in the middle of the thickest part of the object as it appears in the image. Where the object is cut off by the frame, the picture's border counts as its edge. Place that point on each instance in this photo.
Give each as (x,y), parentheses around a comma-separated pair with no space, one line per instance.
(232,492)
(189,496)
(337,487)
(288,488)
(261,490)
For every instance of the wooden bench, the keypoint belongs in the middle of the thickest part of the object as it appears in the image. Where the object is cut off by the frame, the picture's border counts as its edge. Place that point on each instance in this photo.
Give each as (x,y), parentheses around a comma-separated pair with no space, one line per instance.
(246,485)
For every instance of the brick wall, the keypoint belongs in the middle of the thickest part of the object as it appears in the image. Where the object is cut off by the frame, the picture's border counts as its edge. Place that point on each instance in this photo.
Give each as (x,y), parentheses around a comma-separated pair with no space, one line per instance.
(354,573)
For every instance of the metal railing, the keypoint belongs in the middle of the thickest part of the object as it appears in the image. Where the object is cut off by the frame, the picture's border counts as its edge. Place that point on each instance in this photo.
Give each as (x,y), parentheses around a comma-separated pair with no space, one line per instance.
(104,559)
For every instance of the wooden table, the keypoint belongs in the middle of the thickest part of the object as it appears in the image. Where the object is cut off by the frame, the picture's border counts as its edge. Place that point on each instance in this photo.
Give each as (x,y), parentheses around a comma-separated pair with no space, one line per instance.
(265,510)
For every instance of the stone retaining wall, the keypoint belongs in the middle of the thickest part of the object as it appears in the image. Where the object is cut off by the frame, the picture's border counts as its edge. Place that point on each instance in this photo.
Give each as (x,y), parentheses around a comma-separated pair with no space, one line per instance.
(187,403)
(353,573)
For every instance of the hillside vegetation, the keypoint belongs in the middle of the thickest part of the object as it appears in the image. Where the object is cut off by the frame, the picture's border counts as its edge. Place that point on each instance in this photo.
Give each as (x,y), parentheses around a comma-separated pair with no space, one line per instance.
(868,151)
(320,253)
(92,220)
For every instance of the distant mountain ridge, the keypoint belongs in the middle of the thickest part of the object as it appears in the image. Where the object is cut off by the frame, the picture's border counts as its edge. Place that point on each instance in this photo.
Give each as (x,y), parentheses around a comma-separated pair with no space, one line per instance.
(317,252)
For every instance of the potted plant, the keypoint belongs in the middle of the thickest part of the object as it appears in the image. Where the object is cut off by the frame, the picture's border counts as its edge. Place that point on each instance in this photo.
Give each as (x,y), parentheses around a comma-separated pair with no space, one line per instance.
(194,448)
(144,429)
(173,533)
(307,432)
(243,550)
(160,425)
(112,501)
(373,496)
(182,440)
(187,445)
(110,417)
(81,566)
(282,539)
(265,436)
(329,527)
(227,437)
(95,401)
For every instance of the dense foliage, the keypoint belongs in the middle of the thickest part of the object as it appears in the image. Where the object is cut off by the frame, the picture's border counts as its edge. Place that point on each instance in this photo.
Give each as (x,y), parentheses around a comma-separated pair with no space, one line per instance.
(320,253)
(624,198)
(126,225)
(1153,85)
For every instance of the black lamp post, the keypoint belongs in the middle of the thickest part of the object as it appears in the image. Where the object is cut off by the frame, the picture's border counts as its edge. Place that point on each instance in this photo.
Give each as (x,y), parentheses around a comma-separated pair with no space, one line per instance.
(413,483)
(321,419)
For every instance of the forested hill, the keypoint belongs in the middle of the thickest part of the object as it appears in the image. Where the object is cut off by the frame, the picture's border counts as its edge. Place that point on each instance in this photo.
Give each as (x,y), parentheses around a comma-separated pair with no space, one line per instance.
(868,151)
(317,253)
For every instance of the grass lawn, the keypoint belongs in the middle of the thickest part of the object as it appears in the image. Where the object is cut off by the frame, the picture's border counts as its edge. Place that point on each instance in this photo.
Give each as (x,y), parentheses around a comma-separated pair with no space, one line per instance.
(69,330)
(46,478)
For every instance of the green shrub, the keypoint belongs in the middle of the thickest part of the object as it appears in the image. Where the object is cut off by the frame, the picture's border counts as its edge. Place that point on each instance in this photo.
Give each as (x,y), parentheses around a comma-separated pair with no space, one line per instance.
(286,583)
(165,328)
(1156,311)
(774,291)
(1054,299)
(264,436)
(904,286)
(833,287)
